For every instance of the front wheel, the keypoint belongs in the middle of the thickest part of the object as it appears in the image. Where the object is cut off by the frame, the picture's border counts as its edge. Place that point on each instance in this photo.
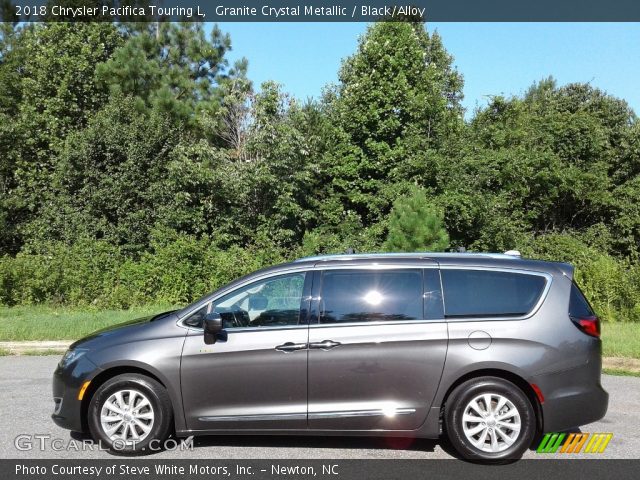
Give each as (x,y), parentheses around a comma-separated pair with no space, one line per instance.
(489,419)
(130,414)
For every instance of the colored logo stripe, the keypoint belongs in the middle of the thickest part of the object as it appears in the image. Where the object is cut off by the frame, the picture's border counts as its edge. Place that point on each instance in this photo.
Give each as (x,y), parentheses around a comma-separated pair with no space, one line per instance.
(598,442)
(574,442)
(550,443)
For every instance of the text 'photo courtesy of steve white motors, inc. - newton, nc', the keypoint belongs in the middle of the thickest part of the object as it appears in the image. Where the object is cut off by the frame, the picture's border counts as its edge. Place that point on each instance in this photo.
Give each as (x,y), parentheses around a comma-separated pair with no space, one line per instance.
(227,469)
(211,12)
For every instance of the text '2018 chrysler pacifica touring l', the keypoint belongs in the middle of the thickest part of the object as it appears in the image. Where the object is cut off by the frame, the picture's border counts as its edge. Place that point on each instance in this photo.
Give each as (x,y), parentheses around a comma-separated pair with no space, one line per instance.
(490,350)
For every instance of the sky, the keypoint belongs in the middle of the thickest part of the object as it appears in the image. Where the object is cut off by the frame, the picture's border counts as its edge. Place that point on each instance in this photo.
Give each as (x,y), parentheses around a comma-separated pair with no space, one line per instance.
(494,58)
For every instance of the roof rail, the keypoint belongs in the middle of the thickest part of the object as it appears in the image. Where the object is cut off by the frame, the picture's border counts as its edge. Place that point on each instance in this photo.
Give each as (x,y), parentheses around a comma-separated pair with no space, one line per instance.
(511,254)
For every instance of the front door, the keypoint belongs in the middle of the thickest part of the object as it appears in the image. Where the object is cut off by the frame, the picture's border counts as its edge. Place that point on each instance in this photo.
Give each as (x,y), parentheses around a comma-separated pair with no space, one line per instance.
(255,375)
(377,350)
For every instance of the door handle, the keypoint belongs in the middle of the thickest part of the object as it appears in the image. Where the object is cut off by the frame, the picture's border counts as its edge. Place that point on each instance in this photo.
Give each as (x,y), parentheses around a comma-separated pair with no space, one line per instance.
(291,347)
(324,345)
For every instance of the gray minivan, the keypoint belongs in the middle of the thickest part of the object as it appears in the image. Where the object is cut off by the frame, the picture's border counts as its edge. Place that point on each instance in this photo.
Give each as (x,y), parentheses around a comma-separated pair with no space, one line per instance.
(490,350)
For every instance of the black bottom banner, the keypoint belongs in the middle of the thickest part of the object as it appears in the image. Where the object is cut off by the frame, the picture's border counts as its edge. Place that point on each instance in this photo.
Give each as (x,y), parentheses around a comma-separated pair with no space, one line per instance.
(148,469)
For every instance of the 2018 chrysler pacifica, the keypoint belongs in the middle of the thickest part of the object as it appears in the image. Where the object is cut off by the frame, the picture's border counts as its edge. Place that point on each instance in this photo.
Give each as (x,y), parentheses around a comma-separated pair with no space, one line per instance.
(488,349)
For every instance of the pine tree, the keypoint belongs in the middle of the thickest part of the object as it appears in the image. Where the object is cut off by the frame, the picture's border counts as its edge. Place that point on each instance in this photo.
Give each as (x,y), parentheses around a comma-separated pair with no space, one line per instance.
(415,225)
(397,105)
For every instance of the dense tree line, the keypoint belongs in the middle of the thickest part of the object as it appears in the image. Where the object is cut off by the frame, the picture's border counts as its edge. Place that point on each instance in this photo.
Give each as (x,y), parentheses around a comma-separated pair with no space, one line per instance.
(137,164)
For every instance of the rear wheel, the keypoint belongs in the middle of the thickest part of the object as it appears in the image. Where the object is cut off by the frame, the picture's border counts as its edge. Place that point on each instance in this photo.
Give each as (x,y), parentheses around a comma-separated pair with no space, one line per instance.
(489,419)
(130,414)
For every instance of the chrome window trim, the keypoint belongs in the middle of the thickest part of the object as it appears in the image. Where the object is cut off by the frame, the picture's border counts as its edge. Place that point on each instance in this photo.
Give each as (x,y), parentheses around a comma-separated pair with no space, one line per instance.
(548,277)
(255,329)
(377,323)
(373,266)
(293,269)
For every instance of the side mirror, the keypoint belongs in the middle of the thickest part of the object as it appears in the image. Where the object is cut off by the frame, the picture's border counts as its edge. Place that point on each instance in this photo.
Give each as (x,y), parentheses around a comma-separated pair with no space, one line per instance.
(212,327)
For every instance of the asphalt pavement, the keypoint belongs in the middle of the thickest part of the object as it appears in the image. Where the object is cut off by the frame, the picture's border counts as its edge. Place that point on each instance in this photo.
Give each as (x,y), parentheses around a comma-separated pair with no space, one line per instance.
(26,405)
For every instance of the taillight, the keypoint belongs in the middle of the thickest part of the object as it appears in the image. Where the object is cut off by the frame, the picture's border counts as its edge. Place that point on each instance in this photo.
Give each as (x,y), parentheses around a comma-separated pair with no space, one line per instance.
(588,325)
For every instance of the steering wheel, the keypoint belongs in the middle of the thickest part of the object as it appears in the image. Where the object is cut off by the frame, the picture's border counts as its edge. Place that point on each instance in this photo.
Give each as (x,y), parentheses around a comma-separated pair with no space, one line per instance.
(234,317)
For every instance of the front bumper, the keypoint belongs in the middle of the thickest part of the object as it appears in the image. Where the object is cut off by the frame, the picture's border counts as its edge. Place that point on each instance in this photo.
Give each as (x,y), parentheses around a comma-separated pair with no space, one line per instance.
(67,382)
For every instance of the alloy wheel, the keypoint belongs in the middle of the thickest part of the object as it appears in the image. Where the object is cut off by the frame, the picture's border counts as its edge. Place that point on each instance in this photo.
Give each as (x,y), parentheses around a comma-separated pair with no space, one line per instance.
(491,422)
(127,416)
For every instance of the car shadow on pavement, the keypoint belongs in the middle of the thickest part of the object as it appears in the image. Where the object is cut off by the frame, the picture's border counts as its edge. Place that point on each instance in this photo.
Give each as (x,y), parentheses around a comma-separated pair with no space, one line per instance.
(340,442)
(305,442)
(310,442)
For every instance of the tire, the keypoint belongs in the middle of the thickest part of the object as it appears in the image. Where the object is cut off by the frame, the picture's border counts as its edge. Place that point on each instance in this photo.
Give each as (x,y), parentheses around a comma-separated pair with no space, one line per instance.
(498,436)
(129,406)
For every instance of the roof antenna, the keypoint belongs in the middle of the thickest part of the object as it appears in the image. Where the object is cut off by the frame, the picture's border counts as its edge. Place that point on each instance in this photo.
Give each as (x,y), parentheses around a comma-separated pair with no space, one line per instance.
(350,251)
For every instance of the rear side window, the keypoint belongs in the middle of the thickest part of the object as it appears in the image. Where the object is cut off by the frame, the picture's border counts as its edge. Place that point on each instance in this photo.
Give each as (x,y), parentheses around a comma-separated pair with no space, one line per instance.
(578,305)
(370,296)
(486,293)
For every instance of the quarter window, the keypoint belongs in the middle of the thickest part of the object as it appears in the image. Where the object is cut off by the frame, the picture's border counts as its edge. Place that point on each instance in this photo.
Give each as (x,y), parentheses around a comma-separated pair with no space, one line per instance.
(578,305)
(369,296)
(485,293)
(196,319)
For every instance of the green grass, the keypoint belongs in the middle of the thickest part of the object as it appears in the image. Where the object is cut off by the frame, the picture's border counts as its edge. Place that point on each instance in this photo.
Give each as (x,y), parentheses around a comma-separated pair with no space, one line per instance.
(621,340)
(42,353)
(621,371)
(48,323)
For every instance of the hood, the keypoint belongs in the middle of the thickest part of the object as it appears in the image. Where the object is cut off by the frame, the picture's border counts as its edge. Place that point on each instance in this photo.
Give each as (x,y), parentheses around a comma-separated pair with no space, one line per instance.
(120,328)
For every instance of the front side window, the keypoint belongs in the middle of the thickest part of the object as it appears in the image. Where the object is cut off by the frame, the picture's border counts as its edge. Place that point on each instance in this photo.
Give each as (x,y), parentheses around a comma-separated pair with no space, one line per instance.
(486,293)
(371,295)
(265,303)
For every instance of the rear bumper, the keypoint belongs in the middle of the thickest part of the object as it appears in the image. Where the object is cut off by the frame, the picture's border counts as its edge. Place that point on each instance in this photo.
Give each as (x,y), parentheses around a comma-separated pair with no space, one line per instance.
(572,398)
(575,409)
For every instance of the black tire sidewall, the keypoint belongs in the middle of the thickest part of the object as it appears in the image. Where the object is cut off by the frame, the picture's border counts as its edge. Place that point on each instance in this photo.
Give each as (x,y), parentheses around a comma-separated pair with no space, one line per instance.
(160,403)
(463,394)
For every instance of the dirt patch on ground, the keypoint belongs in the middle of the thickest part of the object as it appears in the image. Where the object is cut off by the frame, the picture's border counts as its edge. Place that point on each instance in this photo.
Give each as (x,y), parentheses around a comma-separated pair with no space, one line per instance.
(39,347)
(622,363)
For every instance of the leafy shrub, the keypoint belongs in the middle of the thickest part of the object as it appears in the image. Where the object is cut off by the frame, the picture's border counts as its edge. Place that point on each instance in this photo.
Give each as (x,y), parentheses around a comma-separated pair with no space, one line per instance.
(178,269)
(611,284)
(61,274)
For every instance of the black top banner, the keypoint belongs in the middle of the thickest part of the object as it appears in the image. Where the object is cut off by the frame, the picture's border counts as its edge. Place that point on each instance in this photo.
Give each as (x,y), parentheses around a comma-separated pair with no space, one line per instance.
(321,10)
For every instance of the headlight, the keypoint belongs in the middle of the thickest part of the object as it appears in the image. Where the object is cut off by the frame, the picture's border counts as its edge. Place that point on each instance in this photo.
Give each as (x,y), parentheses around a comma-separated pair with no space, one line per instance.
(71,356)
